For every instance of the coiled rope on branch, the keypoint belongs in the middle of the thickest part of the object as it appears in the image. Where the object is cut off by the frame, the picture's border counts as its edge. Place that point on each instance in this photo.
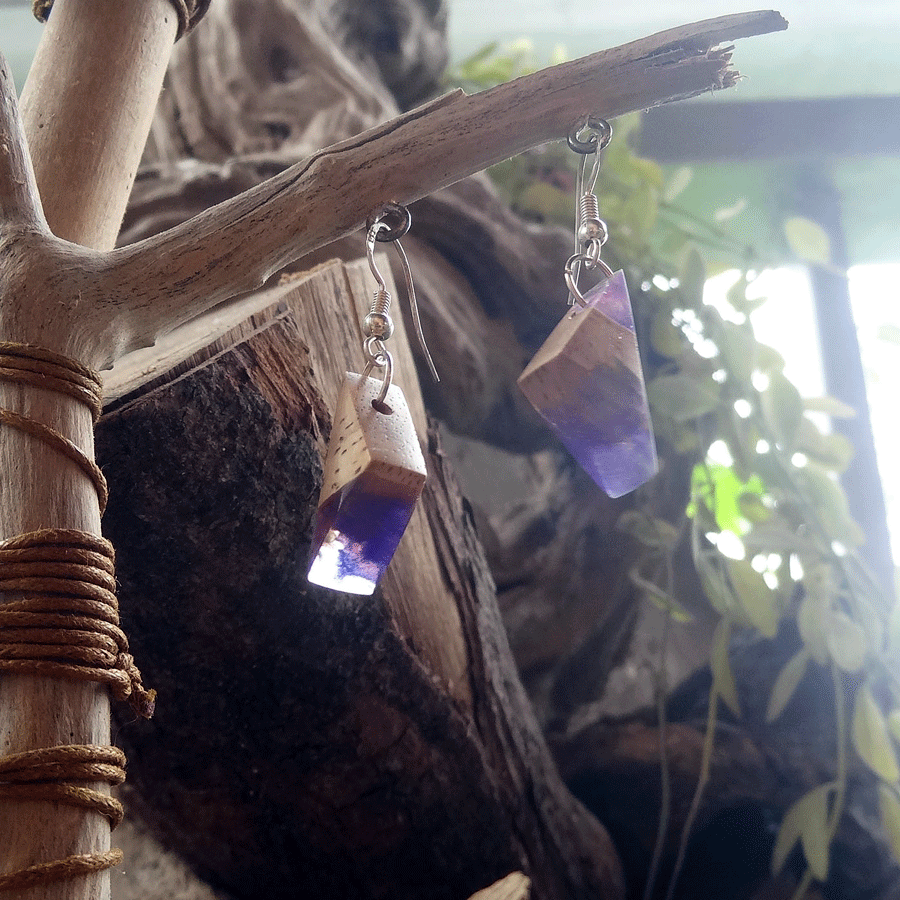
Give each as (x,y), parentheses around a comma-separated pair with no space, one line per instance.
(63,623)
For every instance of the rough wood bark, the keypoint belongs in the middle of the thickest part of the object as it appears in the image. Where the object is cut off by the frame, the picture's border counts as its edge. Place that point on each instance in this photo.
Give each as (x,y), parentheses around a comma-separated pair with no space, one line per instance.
(343,766)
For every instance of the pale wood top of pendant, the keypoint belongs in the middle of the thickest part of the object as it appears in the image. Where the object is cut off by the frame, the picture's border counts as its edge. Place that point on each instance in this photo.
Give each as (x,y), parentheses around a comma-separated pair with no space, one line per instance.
(586,339)
(364,440)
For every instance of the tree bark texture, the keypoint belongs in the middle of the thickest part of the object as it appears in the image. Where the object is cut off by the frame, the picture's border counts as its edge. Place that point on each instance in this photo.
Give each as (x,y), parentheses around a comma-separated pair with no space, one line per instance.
(321,741)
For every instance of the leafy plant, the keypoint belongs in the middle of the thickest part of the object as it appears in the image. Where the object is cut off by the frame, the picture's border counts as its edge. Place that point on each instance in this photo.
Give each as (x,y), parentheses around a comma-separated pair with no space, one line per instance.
(770,533)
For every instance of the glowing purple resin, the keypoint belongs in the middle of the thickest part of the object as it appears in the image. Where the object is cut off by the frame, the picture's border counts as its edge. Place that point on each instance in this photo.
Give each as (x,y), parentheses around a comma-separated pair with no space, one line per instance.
(357,532)
(593,395)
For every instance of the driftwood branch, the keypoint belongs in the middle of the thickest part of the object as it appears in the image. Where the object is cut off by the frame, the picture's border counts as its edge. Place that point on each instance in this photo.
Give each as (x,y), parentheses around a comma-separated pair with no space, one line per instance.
(19,200)
(87,105)
(235,246)
(86,109)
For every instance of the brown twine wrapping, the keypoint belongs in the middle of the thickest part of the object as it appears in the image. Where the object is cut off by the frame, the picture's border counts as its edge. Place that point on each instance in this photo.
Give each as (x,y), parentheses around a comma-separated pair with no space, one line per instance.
(65,625)
(60,870)
(26,364)
(189,12)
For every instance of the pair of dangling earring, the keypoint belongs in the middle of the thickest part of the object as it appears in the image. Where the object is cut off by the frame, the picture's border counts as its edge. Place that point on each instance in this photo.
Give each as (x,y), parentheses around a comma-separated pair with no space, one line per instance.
(585,381)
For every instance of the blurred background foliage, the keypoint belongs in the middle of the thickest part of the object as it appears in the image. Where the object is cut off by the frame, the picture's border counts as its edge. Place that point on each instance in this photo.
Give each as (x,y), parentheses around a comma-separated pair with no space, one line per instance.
(771,533)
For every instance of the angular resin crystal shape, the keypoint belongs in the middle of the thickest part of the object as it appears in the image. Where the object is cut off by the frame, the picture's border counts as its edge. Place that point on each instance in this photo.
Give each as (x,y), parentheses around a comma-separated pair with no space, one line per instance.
(374,474)
(586,381)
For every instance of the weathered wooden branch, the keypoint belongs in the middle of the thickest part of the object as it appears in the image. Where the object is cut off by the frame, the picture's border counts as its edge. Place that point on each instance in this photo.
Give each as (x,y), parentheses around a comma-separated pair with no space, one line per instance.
(235,246)
(87,107)
(86,140)
(20,205)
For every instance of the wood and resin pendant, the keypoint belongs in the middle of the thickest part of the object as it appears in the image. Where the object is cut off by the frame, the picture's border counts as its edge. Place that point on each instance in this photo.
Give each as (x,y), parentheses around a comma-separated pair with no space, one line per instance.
(586,381)
(374,474)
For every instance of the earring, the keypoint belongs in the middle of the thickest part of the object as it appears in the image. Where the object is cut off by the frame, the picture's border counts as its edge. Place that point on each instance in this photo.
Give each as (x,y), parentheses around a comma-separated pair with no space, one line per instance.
(374,468)
(586,380)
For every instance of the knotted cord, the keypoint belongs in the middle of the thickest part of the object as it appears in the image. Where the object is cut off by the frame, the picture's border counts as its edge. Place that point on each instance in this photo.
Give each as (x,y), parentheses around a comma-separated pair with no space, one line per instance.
(64,624)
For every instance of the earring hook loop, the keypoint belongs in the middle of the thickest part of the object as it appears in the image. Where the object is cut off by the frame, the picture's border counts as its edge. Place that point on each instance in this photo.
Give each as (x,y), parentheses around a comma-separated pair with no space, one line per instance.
(587,137)
(388,224)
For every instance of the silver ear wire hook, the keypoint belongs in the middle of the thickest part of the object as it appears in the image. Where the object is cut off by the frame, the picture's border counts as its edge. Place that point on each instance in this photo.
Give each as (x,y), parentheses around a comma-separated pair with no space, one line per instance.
(388,224)
(590,230)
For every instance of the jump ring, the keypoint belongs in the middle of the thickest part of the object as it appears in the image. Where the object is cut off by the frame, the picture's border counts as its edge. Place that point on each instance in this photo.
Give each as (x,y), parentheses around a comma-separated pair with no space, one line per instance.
(570,276)
(600,135)
(394,219)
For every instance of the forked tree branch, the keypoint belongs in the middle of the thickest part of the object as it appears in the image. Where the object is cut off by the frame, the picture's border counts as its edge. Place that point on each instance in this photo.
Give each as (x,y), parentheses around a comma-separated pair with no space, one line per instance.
(133,295)
(19,200)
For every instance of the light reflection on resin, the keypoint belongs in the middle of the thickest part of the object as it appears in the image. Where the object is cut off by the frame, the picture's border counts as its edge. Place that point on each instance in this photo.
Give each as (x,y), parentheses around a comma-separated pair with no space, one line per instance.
(338,566)
(357,532)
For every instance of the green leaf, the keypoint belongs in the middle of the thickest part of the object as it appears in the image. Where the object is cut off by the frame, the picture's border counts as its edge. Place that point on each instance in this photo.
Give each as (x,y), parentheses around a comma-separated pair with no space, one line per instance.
(807,821)
(870,737)
(786,684)
(830,504)
(683,398)
(680,179)
(545,200)
(814,830)
(788,835)
(752,508)
(720,489)
(890,818)
(768,359)
(665,336)
(808,240)
(692,279)
(644,171)
(893,721)
(830,406)
(641,208)
(846,642)
(658,597)
(723,677)
(714,587)
(756,598)
(810,622)
(783,408)
(831,451)
(685,438)
(649,530)
(737,347)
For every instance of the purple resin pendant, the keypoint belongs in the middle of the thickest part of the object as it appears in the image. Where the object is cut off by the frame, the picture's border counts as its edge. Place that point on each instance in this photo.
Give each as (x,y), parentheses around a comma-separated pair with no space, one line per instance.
(374,474)
(586,381)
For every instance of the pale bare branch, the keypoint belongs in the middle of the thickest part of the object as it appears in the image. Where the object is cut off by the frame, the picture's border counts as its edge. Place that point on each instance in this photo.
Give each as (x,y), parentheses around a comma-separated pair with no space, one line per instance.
(235,246)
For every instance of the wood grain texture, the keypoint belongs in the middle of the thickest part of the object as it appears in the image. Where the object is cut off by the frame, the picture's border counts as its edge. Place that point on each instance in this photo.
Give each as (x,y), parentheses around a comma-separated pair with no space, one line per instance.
(40,489)
(329,194)
(336,748)
(85,143)
(234,247)
(87,105)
